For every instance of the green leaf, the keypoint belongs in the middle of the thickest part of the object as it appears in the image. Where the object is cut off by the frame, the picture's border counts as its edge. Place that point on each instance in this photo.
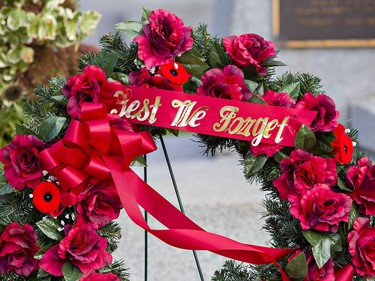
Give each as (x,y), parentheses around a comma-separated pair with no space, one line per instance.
(252,85)
(27,54)
(322,252)
(51,127)
(254,164)
(145,15)
(71,272)
(17,19)
(353,215)
(43,250)
(256,99)
(50,227)
(88,22)
(130,28)
(292,89)
(279,156)
(273,63)
(193,63)
(341,184)
(139,162)
(5,187)
(21,130)
(43,275)
(297,267)
(323,244)
(305,138)
(218,57)
(326,138)
(106,61)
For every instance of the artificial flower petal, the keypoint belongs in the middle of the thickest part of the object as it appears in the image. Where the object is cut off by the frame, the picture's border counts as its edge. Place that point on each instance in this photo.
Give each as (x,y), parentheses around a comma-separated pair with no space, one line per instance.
(46,197)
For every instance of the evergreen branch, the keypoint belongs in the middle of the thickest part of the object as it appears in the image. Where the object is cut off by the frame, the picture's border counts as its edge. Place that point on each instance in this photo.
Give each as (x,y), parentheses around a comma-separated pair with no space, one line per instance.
(117,268)
(126,55)
(308,83)
(112,232)
(17,206)
(233,271)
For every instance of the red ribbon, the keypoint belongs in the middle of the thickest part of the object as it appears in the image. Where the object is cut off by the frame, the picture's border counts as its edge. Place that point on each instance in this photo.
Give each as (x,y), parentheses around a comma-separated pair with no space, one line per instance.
(345,274)
(97,147)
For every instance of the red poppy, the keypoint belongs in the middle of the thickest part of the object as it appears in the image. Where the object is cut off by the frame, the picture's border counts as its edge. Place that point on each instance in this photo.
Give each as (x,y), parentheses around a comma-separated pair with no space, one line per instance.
(342,145)
(46,197)
(175,73)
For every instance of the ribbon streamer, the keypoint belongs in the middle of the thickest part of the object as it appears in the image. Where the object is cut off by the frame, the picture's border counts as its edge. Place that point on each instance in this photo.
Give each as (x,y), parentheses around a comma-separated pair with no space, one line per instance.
(345,274)
(100,146)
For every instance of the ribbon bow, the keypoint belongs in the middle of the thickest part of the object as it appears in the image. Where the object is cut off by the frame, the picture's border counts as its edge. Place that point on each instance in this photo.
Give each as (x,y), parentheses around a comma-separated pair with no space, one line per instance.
(99,146)
(80,154)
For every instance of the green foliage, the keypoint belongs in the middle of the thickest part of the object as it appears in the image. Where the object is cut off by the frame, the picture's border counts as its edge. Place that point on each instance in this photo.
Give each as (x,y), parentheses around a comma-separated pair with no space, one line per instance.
(112,232)
(204,42)
(71,272)
(305,138)
(297,267)
(47,23)
(117,268)
(17,206)
(290,83)
(126,55)
(232,271)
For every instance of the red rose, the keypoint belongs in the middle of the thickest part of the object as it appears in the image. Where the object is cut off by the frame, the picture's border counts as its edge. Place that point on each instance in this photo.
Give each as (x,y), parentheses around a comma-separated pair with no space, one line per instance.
(302,171)
(320,208)
(98,203)
(22,166)
(163,38)
(17,249)
(327,115)
(226,84)
(361,180)
(249,49)
(100,277)
(82,246)
(82,88)
(362,246)
(342,145)
(314,273)
(275,99)
(143,78)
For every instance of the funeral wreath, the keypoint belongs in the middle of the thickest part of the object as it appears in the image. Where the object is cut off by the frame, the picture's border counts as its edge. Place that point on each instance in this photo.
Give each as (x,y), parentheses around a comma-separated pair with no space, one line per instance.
(67,172)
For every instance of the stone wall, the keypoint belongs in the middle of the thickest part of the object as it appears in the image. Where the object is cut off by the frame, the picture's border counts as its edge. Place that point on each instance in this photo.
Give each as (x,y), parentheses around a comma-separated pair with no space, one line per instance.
(347,74)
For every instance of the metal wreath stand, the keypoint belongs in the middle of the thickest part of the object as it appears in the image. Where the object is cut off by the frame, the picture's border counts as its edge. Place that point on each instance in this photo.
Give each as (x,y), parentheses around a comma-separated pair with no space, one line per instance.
(165,152)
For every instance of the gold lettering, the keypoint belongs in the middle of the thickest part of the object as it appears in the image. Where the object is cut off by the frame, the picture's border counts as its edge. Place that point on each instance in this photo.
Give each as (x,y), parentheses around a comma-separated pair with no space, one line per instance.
(270,126)
(185,116)
(227,113)
(154,107)
(258,133)
(144,110)
(281,129)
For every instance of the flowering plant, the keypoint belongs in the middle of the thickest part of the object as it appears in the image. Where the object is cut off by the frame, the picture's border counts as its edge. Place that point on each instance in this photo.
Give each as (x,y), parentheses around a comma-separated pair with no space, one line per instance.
(61,167)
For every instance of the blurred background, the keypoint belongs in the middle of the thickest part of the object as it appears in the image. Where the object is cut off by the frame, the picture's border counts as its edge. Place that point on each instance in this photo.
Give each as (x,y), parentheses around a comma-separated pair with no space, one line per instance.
(213,189)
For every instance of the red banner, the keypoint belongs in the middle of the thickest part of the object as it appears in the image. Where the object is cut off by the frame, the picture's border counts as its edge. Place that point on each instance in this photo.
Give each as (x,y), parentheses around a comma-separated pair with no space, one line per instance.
(252,122)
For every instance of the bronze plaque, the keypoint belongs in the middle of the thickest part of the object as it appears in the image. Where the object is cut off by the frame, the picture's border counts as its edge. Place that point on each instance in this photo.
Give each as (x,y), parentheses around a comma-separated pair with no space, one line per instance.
(324,23)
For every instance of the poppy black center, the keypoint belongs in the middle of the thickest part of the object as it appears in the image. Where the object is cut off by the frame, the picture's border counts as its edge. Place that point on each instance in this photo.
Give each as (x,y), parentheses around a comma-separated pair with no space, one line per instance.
(173,72)
(47,197)
(345,148)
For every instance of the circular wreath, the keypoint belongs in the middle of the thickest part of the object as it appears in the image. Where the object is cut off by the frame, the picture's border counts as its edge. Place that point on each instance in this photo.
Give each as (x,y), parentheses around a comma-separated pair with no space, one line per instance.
(57,219)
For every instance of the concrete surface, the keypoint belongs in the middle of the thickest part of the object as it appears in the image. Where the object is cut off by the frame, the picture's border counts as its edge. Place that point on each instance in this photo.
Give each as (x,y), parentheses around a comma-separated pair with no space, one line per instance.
(215,195)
